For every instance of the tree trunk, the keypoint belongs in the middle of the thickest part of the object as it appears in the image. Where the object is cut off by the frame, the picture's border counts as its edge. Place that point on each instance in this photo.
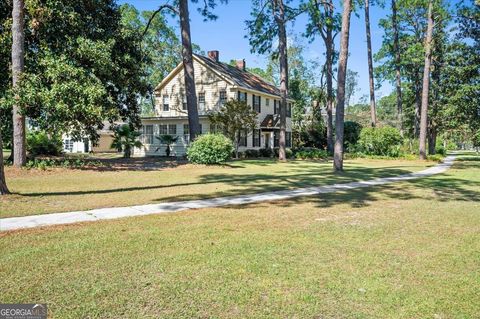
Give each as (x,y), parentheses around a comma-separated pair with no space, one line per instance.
(127,152)
(426,82)
(3,185)
(373,115)
(432,139)
(418,106)
(10,158)
(282,48)
(18,52)
(189,76)
(398,79)
(237,144)
(342,71)
(329,57)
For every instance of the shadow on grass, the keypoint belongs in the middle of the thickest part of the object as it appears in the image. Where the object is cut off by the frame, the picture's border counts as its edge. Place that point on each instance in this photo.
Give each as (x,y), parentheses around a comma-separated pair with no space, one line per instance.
(446,188)
(261,183)
(132,164)
(252,183)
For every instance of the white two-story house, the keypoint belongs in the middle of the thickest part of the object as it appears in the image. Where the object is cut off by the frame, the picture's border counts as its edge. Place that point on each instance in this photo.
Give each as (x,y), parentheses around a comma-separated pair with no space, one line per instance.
(216,83)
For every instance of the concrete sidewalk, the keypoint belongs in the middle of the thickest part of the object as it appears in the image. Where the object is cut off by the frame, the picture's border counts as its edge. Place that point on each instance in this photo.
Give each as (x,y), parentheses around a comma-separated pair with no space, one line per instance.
(119,212)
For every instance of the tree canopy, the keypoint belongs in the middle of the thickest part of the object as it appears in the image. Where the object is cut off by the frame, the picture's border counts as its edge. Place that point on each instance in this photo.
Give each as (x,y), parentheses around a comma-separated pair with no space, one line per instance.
(83,65)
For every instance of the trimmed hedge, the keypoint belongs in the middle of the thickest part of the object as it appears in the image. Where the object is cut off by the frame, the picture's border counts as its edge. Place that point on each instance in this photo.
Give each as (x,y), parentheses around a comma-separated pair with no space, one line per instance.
(210,149)
(252,153)
(311,153)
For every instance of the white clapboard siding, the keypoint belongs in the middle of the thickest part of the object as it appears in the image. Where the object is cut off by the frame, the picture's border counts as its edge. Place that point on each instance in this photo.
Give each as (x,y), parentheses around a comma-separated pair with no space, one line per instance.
(211,84)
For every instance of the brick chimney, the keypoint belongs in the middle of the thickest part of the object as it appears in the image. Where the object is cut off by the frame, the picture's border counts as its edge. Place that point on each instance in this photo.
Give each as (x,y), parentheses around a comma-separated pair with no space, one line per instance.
(213,55)
(241,65)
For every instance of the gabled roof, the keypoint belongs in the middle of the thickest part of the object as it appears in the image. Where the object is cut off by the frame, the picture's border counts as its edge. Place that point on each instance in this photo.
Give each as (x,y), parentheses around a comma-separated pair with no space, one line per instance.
(270,121)
(239,77)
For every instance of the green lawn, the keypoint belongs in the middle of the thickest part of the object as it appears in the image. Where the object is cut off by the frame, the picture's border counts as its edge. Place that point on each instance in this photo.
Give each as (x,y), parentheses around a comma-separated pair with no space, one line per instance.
(60,190)
(409,250)
(6,153)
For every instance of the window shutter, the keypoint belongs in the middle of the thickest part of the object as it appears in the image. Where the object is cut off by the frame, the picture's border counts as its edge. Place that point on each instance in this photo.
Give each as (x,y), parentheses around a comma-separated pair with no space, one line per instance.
(259,104)
(238,96)
(253,102)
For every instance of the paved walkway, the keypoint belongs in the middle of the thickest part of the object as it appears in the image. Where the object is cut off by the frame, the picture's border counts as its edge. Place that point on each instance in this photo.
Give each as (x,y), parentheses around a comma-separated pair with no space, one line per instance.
(119,212)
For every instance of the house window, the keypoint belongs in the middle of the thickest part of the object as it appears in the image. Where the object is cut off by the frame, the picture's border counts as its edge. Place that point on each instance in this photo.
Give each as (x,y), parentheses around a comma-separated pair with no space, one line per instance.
(267,102)
(213,128)
(184,103)
(68,145)
(223,97)
(256,103)
(243,138)
(148,134)
(172,129)
(201,129)
(276,107)
(201,101)
(186,133)
(289,110)
(256,138)
(276,138)
(162,129)
(166,103)
(288,139)
(242,96)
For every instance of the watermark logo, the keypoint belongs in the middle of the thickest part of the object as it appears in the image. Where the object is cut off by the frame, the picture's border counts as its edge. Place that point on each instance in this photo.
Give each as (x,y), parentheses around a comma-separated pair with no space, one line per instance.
(23,311)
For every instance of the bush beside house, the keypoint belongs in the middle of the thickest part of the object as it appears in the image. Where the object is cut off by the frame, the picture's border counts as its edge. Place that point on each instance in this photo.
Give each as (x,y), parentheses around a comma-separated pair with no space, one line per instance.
(210,149)
(40,143)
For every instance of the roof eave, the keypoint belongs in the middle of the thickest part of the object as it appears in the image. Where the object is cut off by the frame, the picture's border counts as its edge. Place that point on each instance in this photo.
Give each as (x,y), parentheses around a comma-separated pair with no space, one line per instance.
(260,92)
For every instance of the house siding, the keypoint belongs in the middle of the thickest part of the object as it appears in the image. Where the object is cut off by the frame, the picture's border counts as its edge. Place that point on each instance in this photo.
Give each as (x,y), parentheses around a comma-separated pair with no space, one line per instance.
(211,84)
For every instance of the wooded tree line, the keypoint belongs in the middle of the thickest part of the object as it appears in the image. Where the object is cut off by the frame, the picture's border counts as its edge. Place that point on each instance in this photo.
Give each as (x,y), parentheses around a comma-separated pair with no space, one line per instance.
(73,64)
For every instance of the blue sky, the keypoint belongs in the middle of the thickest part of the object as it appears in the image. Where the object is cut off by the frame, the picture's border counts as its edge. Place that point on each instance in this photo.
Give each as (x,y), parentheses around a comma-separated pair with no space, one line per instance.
(227,34)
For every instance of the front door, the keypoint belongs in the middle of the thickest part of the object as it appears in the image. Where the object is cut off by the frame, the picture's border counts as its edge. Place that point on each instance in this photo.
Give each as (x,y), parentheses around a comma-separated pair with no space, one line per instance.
(267,140)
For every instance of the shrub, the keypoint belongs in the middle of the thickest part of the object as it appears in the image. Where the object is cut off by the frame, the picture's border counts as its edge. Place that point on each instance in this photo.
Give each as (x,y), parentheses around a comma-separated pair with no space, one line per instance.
(210,149)
(385,141)
(252,153)
(125,139)
(266,152)
(435,158)
(311,153)
(39,143)
(351,133)
(314,135)
(439,149)
(44,163)
(410,146)
(288,152)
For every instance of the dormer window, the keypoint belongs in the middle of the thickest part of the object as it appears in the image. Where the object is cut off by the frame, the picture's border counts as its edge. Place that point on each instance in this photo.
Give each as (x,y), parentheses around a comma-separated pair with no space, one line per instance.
(166,103)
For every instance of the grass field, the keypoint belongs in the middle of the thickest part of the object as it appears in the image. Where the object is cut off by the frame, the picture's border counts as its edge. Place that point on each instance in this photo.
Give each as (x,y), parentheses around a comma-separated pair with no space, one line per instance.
(6,153)
(408,250)
(60,190)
